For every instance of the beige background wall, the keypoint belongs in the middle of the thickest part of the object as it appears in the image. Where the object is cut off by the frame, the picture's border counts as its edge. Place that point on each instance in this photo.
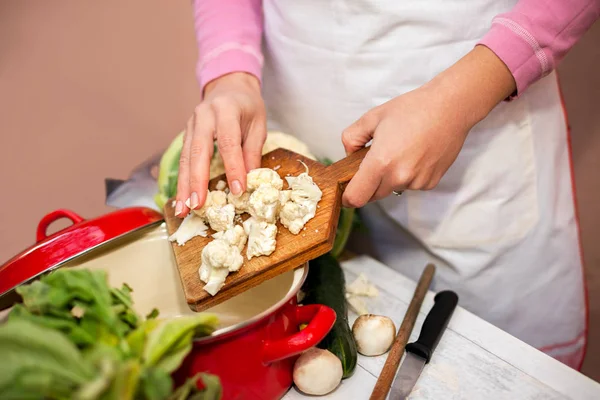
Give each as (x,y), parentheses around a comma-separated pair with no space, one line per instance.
(88,90)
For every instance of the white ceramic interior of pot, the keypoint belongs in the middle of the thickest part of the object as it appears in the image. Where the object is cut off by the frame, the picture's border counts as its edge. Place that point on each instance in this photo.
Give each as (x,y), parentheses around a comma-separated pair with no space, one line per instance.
(145,261)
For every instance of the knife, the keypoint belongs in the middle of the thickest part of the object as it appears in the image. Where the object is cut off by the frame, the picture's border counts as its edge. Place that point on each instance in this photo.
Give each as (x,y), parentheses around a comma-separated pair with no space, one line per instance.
(419,353)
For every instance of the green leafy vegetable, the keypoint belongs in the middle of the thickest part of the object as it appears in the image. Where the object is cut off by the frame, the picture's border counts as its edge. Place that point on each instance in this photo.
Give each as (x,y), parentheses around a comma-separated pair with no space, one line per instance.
(39,360)
(168,170)
(75,337)
(171,341)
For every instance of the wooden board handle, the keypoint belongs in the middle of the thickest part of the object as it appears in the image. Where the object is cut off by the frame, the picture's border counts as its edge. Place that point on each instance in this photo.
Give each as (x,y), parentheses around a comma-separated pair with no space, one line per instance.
(346,168)
(388,373)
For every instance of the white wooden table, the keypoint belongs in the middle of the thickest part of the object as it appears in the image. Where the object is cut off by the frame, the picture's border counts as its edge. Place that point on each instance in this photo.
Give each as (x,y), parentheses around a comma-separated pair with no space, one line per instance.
(474,360)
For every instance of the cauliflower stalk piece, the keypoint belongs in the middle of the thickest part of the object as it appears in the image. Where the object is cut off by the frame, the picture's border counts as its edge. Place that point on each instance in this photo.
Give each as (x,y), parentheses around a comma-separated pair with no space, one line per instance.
(191,226)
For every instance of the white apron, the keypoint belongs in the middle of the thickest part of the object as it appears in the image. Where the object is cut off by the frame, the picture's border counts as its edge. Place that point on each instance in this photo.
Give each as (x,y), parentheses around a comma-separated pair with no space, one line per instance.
(501,225)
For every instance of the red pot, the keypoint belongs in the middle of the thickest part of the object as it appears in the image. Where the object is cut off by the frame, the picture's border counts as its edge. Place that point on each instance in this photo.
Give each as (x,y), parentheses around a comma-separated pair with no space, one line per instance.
(255,358)
(254,349)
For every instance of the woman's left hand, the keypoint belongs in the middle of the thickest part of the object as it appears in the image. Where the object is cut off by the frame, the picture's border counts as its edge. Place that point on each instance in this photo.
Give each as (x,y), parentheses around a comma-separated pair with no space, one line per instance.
(418,135)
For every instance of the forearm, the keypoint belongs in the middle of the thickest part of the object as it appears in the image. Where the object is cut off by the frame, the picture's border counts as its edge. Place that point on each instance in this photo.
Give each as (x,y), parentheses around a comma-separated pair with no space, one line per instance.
(228,33)
(475,84)
(535,36)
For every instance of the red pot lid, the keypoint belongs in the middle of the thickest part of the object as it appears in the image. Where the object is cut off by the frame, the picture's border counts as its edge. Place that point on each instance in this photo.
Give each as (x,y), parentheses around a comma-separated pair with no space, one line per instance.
(50,252)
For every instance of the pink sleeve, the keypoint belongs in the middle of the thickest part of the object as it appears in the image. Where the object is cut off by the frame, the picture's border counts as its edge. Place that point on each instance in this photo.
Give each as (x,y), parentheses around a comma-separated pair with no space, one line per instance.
(229,35)
(535,35)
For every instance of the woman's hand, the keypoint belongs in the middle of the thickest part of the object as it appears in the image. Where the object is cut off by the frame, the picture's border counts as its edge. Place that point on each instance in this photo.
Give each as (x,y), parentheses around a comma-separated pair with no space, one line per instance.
(232,113)
(418,135)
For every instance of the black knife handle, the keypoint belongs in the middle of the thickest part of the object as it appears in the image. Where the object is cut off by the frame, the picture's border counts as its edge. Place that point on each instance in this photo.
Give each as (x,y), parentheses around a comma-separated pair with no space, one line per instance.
(434,325)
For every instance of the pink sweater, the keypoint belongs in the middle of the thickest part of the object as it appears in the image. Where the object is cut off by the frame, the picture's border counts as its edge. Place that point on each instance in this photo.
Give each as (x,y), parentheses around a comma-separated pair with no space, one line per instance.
(531,39)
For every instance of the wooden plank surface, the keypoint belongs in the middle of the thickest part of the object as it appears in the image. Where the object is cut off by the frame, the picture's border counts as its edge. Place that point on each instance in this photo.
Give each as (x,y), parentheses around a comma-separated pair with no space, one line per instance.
(474,359)
(292,250)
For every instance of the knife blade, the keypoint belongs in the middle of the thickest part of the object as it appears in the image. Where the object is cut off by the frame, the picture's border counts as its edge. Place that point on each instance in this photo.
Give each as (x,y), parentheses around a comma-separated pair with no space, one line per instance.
(419,353)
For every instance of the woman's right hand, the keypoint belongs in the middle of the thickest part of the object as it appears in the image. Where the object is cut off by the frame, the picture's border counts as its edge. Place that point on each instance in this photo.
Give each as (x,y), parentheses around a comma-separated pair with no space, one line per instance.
(232,113)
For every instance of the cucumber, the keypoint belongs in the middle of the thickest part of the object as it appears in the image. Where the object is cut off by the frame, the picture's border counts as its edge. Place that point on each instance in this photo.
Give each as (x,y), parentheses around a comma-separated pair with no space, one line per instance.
(344,229)
(325,284)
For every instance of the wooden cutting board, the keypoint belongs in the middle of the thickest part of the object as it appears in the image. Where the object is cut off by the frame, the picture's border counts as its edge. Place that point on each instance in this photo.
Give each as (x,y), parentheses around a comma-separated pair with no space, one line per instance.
(292,250)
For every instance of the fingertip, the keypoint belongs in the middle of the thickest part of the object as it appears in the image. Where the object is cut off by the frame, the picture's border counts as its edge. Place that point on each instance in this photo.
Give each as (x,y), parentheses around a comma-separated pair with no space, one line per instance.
(236,187)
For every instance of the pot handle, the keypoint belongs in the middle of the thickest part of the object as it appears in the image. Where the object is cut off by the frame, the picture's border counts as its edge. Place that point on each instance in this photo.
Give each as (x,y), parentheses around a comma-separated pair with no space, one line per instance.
(52,217)
(320,320)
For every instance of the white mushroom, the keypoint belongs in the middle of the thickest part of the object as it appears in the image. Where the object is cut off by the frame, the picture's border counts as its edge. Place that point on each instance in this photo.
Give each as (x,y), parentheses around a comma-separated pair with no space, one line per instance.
(374,334)
(317,372)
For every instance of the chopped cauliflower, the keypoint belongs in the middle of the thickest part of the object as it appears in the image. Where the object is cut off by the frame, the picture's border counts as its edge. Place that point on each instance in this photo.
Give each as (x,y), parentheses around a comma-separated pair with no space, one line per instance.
(302,204)
(356,304)
(292,216)
(362,287)
(266,202)
(285,196)
(220,218)
(191,226)
(221,185)
(220,254)
(215,278)
(215,198)
(261,238)
(263,176)
(263,203)
(304,189)
(240,202)
(235,236)
(218,258)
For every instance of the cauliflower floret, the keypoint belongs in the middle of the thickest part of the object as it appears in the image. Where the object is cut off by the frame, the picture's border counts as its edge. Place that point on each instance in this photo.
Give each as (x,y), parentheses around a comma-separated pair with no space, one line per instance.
(235,236)
(263,176)
(304,190)
(215,198)
(302,204)
(218,259)
(221,254)
(263,203)
(285,196)
(261,237)
(292,216)
(221,185)
(240,202)
(192,225)
(220,218)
